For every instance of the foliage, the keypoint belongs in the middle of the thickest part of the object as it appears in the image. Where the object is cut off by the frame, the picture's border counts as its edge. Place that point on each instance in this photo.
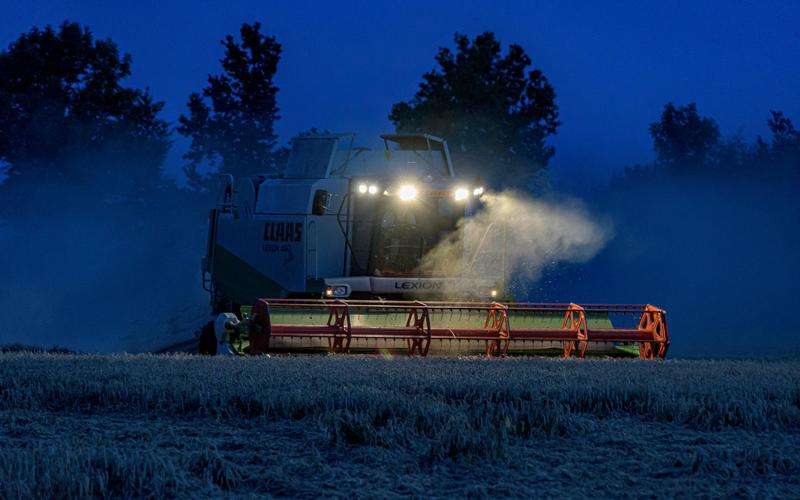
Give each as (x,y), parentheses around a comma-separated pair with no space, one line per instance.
(731,155)
(231,123)
(688,144)
(66,117)
(495,112)
(682,138)
(785,146)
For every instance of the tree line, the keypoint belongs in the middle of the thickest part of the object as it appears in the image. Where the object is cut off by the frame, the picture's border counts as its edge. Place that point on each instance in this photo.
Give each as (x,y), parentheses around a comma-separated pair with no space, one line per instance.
(689,144)
(67,117)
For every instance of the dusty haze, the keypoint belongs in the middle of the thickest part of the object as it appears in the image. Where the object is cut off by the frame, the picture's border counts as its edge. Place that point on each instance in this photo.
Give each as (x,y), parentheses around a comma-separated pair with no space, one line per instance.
(512,230)
(722,258)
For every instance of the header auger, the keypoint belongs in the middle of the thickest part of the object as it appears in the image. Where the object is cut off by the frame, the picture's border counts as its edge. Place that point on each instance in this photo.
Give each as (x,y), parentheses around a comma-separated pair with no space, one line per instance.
(343,236)
(418,328)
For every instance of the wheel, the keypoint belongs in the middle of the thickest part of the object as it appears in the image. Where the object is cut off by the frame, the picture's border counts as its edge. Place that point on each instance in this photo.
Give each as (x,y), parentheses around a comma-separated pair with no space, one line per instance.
(207,343)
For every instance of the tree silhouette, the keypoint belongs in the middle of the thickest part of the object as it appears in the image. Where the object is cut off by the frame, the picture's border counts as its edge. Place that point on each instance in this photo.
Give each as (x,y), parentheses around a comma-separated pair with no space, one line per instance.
(65,116)
(682,138)
(231,123)
(495,112)
(785,147)
(733,155)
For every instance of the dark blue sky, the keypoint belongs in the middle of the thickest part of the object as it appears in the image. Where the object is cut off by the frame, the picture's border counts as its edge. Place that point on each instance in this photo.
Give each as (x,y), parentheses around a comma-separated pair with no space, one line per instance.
(613,65)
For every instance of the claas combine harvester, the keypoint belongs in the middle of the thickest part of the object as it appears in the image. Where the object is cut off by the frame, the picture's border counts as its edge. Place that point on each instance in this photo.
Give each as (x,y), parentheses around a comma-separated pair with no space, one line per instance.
(330,255)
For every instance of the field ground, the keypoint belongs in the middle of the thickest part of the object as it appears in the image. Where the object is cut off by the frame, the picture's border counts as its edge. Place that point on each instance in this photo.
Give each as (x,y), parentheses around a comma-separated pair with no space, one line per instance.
(366,426)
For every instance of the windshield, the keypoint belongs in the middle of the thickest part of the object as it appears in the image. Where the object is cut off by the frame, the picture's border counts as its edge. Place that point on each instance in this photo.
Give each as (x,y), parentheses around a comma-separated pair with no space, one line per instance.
(407,233)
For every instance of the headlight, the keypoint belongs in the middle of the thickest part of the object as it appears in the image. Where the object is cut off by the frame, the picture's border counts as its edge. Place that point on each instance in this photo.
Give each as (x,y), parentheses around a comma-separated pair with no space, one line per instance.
(336,291)
(460,193)
(477,191)
(362,188)
(407,192)
(373,189)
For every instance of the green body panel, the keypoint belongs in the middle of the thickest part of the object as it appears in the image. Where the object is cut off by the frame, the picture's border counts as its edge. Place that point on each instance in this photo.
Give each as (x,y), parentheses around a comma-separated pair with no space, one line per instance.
(439,319)
(240,281)
(629,349)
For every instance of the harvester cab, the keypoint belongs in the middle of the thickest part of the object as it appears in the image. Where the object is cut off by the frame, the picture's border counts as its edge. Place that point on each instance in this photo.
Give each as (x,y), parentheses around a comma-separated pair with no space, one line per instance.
(352,249)
(344,222)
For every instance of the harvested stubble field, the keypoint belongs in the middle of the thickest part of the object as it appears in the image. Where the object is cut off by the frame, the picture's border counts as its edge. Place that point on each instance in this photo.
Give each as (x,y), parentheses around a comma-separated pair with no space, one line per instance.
(311,426)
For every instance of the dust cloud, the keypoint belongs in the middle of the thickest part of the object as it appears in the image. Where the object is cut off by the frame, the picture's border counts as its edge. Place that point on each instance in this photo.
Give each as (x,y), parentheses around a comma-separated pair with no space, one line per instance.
(512,233)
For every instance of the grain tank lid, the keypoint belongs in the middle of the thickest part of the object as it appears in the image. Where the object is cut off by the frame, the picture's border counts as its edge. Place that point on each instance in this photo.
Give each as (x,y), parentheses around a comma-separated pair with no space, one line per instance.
(311,156)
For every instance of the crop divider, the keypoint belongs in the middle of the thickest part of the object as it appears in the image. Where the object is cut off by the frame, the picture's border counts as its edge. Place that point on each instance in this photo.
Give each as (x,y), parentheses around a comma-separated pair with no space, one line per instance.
(342,329)
(575,321)
(497,322)
(419,318)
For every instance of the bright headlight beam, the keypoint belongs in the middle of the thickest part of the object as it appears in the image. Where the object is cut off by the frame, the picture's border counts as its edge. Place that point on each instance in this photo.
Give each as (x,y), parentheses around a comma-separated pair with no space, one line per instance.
(362,188)
(407,192)
(373,189)
(460,193)
(477,191)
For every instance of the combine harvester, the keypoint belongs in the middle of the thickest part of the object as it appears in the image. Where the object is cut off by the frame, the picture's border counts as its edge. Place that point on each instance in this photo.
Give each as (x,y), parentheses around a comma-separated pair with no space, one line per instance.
(340,241)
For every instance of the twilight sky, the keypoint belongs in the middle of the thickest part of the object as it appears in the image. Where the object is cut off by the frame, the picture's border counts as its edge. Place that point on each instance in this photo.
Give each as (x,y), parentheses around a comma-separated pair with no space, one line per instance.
(613,64)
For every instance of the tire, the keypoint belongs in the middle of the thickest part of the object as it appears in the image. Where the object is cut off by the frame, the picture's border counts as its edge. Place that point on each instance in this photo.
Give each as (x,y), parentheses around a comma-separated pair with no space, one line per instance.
(207,343)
